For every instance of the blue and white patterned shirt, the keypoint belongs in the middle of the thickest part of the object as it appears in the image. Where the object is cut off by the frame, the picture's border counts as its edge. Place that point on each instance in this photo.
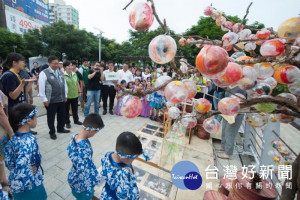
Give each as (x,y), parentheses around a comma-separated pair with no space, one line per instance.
(3,194)
(83,176)
(120,180)
(21,153)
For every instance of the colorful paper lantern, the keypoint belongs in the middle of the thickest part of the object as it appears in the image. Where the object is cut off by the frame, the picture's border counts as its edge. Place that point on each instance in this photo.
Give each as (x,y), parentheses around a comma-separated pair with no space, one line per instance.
(294,88)
(286,74)
(247,86)
(212,61)
(226,26)
(141,17)
(244,34)
(271,81)
(229,106)
(131,106)
(261,89)
(245,58)
(191,87)
(250,75)
(272,48)
(288,96)
(238,54)
(189,121)
(202,105)
(220,20)
(230,38)
(236,29)
(162,49)
(233,73)
(283,118)
(161,81)
(211,125)
(265,70)
(290,28)
(257,119)
(176,92)
(265,107)
(174,112)
(251,46)
(263,34)
(182,42)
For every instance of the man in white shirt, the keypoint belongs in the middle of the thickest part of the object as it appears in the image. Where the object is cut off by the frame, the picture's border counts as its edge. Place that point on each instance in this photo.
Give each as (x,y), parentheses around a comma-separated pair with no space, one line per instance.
(108,90)
(125,74)
(146,74)
(53,90)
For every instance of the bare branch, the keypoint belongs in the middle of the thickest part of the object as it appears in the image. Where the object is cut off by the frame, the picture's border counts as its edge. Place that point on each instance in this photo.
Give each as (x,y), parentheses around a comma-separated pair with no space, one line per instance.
(162,25)
(247,12)
(128,5)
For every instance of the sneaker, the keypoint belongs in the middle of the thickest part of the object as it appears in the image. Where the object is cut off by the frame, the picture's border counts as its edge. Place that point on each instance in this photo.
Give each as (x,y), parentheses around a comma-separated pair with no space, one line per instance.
(68,125)
(111,112)
(104,112)
(78,123)
(64,131)
(53,136)
(224,156)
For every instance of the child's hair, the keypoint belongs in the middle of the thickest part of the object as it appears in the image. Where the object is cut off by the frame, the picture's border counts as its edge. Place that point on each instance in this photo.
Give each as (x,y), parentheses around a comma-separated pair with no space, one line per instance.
(128,143)
(128,85)
(93,120)
(66,63)
(122,82)
(18,113)
(138,70)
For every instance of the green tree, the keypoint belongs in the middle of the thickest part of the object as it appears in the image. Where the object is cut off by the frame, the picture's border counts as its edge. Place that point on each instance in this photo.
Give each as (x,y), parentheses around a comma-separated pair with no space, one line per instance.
(8,40)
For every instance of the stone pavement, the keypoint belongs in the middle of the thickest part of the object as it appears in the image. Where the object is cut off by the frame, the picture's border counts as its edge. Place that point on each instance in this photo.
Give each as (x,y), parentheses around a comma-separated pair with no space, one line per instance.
(55,161)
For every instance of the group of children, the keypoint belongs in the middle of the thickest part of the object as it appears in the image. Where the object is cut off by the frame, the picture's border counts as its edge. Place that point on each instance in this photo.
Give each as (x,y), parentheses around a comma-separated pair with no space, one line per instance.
(151,103)
(23,159)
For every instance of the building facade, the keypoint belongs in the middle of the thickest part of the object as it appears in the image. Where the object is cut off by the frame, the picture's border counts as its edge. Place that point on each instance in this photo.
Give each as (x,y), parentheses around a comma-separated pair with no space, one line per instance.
(60,11)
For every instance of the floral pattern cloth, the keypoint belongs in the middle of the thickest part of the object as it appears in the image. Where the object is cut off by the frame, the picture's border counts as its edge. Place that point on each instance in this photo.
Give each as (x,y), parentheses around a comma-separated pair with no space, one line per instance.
(21,153)
(83,176)
(120,180)
(3,194)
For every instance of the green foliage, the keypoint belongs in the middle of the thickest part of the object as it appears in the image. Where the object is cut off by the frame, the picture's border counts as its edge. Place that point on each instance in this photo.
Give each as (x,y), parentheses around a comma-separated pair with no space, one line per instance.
(280,88)
(8,40)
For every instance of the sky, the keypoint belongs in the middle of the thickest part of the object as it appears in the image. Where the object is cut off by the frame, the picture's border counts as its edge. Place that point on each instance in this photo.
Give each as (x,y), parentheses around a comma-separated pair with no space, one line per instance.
(109,16)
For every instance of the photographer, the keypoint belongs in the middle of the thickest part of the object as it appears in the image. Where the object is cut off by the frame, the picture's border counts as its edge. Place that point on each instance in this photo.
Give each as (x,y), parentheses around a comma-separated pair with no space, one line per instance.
(93,88)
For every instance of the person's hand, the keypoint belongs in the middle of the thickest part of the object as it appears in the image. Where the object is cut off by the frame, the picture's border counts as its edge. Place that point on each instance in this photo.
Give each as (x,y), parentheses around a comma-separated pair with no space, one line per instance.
(31,100)
(46,104)
(23,82)
(34,169)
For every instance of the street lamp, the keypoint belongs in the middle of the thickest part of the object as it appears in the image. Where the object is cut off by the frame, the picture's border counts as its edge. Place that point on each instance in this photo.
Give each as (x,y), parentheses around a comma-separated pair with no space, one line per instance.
(15,46)
(99,35)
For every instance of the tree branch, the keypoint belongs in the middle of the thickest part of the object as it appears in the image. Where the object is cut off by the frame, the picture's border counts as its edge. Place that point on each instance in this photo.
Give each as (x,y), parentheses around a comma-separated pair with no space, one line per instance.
(128,5)
(162,25)
(247,12)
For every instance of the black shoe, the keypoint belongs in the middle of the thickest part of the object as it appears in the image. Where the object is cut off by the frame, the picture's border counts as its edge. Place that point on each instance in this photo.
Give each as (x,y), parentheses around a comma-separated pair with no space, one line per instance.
(68,125)
(34,132)
(104,112)
(111,112)
(53,136)
(64,131)
(78,123)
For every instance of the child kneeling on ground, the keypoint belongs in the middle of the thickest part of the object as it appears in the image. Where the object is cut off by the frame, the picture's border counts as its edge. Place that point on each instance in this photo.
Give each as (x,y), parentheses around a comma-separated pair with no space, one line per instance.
(84,176)
(117,169)
(22,156)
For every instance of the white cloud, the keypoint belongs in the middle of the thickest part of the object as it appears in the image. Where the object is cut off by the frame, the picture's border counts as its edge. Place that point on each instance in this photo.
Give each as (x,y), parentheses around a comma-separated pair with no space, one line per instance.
(109,16)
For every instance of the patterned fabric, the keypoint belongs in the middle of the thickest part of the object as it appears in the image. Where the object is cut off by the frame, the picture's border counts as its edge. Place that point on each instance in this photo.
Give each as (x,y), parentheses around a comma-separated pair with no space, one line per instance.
(25,120)
(120,181)
(3,194)
(21,154)
(83,176)
(156,100)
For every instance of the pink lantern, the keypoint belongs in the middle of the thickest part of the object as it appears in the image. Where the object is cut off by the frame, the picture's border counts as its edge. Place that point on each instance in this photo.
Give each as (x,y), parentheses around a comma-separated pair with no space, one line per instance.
(182,42)
(229,106)
(230,38)
(211,125)
(189,121)
(191,87)
(233,73)
(263,34)
(208,10)
(202,105)
(226,25)
(212,61)
(176,92)
(220,20)
(162,49)
(235,27)
(265,70)
(141,17)
(131,106)
(272,48)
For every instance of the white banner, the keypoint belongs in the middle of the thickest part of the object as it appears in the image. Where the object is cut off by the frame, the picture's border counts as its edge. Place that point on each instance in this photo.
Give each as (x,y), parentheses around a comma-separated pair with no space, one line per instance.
(18,22)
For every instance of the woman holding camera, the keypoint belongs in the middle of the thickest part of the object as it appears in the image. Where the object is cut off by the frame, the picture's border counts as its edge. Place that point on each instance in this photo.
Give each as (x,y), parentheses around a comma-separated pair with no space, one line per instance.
(93,88)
